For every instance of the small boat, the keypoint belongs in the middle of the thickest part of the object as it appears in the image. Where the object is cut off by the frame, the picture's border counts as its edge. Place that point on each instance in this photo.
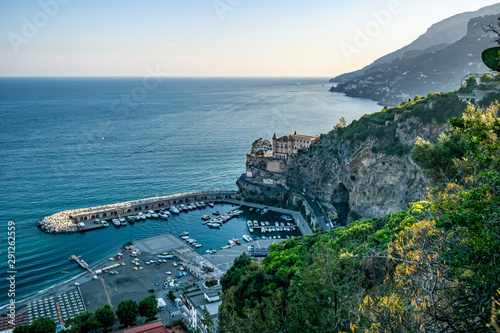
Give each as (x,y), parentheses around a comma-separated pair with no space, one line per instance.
(115,221)
(216,213)
(203,205)
(141,216)
(286,217)
(213,225)
(148,215)
(247,238)
(130,219)
(197,205)
(257,210)
(155,216)
(163,216)
(255,223)
(196,245)
(264,211)
(97,221)
(251,208)
(64,272)
(104,223)
(231,242)
(262,224)
(174,210)
(211,251)
(123,221)
(250,229)
(184,233)
(191,207)
(184,208)
(237,241)
(266,223)
(211,204)
(205,217)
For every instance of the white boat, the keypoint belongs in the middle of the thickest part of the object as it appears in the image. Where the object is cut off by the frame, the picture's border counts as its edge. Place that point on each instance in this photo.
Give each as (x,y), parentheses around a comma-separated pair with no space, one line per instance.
(154,215)
(97,221)
(196,245)
(211,204)
(276,223)
(255,223)
(264,211)
(163,216)
(211,251)
(148,216)
(115,221)
(174,210)
(213,225)
(205,217)
(262,224)
(247,238)
(141,216)
(185,233)
(250,229)
(231,242)
(203,205)
(104,223)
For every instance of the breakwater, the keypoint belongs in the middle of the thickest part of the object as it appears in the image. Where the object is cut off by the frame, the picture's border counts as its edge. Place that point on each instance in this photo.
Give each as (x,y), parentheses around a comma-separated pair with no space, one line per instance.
(67,221)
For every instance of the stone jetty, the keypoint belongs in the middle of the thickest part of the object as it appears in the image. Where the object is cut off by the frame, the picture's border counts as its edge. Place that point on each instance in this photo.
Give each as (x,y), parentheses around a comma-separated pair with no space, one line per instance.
(67,221)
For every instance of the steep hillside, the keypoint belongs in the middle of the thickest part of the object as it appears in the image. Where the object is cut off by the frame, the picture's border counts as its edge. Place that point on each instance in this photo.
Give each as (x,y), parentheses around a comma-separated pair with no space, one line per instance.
(366,167)
(437,71)
(432,267)
(445,32)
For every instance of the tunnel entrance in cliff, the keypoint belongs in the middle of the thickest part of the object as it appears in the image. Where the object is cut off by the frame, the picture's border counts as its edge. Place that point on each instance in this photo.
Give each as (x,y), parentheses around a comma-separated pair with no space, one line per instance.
(340,199)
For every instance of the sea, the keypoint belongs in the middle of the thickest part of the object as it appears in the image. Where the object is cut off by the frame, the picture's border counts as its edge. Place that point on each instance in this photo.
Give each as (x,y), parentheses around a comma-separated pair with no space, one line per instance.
(69,143)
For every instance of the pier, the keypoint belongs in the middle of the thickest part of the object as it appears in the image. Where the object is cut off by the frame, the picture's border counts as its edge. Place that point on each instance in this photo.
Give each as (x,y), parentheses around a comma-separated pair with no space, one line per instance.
(66,221)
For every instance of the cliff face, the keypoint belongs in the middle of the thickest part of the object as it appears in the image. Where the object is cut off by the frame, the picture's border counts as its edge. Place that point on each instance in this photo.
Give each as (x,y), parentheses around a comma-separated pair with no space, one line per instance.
(359,176)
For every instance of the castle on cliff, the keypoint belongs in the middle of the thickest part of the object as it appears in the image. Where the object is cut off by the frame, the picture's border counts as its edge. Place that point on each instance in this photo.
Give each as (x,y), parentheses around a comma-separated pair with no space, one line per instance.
(290,144)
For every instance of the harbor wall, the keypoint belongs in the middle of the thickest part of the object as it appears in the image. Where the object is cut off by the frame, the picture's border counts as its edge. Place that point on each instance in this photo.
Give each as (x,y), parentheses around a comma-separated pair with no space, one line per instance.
(66,221)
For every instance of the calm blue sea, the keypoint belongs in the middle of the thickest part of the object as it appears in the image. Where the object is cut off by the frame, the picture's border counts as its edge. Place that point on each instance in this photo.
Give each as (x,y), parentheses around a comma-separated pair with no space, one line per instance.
(76,142)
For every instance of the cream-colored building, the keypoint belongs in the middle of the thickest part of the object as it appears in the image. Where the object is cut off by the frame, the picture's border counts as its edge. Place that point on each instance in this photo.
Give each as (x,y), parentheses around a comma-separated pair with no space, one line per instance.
(290,144)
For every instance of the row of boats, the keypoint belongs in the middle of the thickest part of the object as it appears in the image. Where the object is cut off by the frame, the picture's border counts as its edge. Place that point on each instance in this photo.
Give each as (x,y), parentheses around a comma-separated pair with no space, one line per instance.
(123,221)
(190,206)
(219,219)
(191,241)
(267,227)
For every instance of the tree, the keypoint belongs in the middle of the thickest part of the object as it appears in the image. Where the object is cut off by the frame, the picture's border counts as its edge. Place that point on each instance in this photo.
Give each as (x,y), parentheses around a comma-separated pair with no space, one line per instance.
(148,307)
(84,322)
(342,123)
(43,325)
(261,146)
(105,316)
(127,312)
(22,329)
(207,320)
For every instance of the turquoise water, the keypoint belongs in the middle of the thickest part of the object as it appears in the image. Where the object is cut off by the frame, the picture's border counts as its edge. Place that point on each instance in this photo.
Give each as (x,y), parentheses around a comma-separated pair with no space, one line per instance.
(72,142)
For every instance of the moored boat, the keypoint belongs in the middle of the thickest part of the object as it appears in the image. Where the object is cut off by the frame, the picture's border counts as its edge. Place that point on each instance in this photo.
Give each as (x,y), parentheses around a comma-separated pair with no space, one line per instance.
(174,210)
(247,238)
(211,204)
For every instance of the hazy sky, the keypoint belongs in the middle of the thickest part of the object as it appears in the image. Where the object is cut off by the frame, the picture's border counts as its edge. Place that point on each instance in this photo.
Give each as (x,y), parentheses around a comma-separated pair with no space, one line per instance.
(208,37)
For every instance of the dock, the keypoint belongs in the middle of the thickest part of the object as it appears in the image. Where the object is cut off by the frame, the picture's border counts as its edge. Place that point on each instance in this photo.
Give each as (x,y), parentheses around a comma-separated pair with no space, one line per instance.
(82,264)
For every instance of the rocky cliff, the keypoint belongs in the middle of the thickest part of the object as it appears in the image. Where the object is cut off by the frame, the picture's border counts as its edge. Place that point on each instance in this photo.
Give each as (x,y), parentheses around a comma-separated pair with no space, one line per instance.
(366,167)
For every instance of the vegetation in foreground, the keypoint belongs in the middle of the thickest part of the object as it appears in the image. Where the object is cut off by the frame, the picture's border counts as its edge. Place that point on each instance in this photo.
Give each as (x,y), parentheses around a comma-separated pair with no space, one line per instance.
(432,267)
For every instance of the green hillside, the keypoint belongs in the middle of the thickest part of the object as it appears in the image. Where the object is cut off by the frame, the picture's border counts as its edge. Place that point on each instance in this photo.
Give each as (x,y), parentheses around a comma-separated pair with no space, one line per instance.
(432,267)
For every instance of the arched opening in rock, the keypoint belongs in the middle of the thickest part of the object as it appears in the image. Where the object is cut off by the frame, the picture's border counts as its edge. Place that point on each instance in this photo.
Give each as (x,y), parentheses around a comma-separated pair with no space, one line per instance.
(340,199)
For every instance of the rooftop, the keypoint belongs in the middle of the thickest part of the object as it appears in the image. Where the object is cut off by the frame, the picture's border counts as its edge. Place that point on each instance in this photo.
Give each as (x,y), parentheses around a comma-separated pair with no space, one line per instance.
(156,327)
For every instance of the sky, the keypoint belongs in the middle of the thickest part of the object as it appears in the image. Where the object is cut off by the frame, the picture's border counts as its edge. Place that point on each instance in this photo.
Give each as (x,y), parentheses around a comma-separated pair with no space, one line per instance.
(214,38)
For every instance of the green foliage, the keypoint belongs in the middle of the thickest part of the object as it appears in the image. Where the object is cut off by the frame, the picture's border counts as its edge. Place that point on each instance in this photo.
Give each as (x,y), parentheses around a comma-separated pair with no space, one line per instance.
(171,296)
(43,325)
(22,329)
(127,312)
(84,322)
(148,307)
(491,58)
(432,267)
(207,320)
(261,147)
(105,315)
